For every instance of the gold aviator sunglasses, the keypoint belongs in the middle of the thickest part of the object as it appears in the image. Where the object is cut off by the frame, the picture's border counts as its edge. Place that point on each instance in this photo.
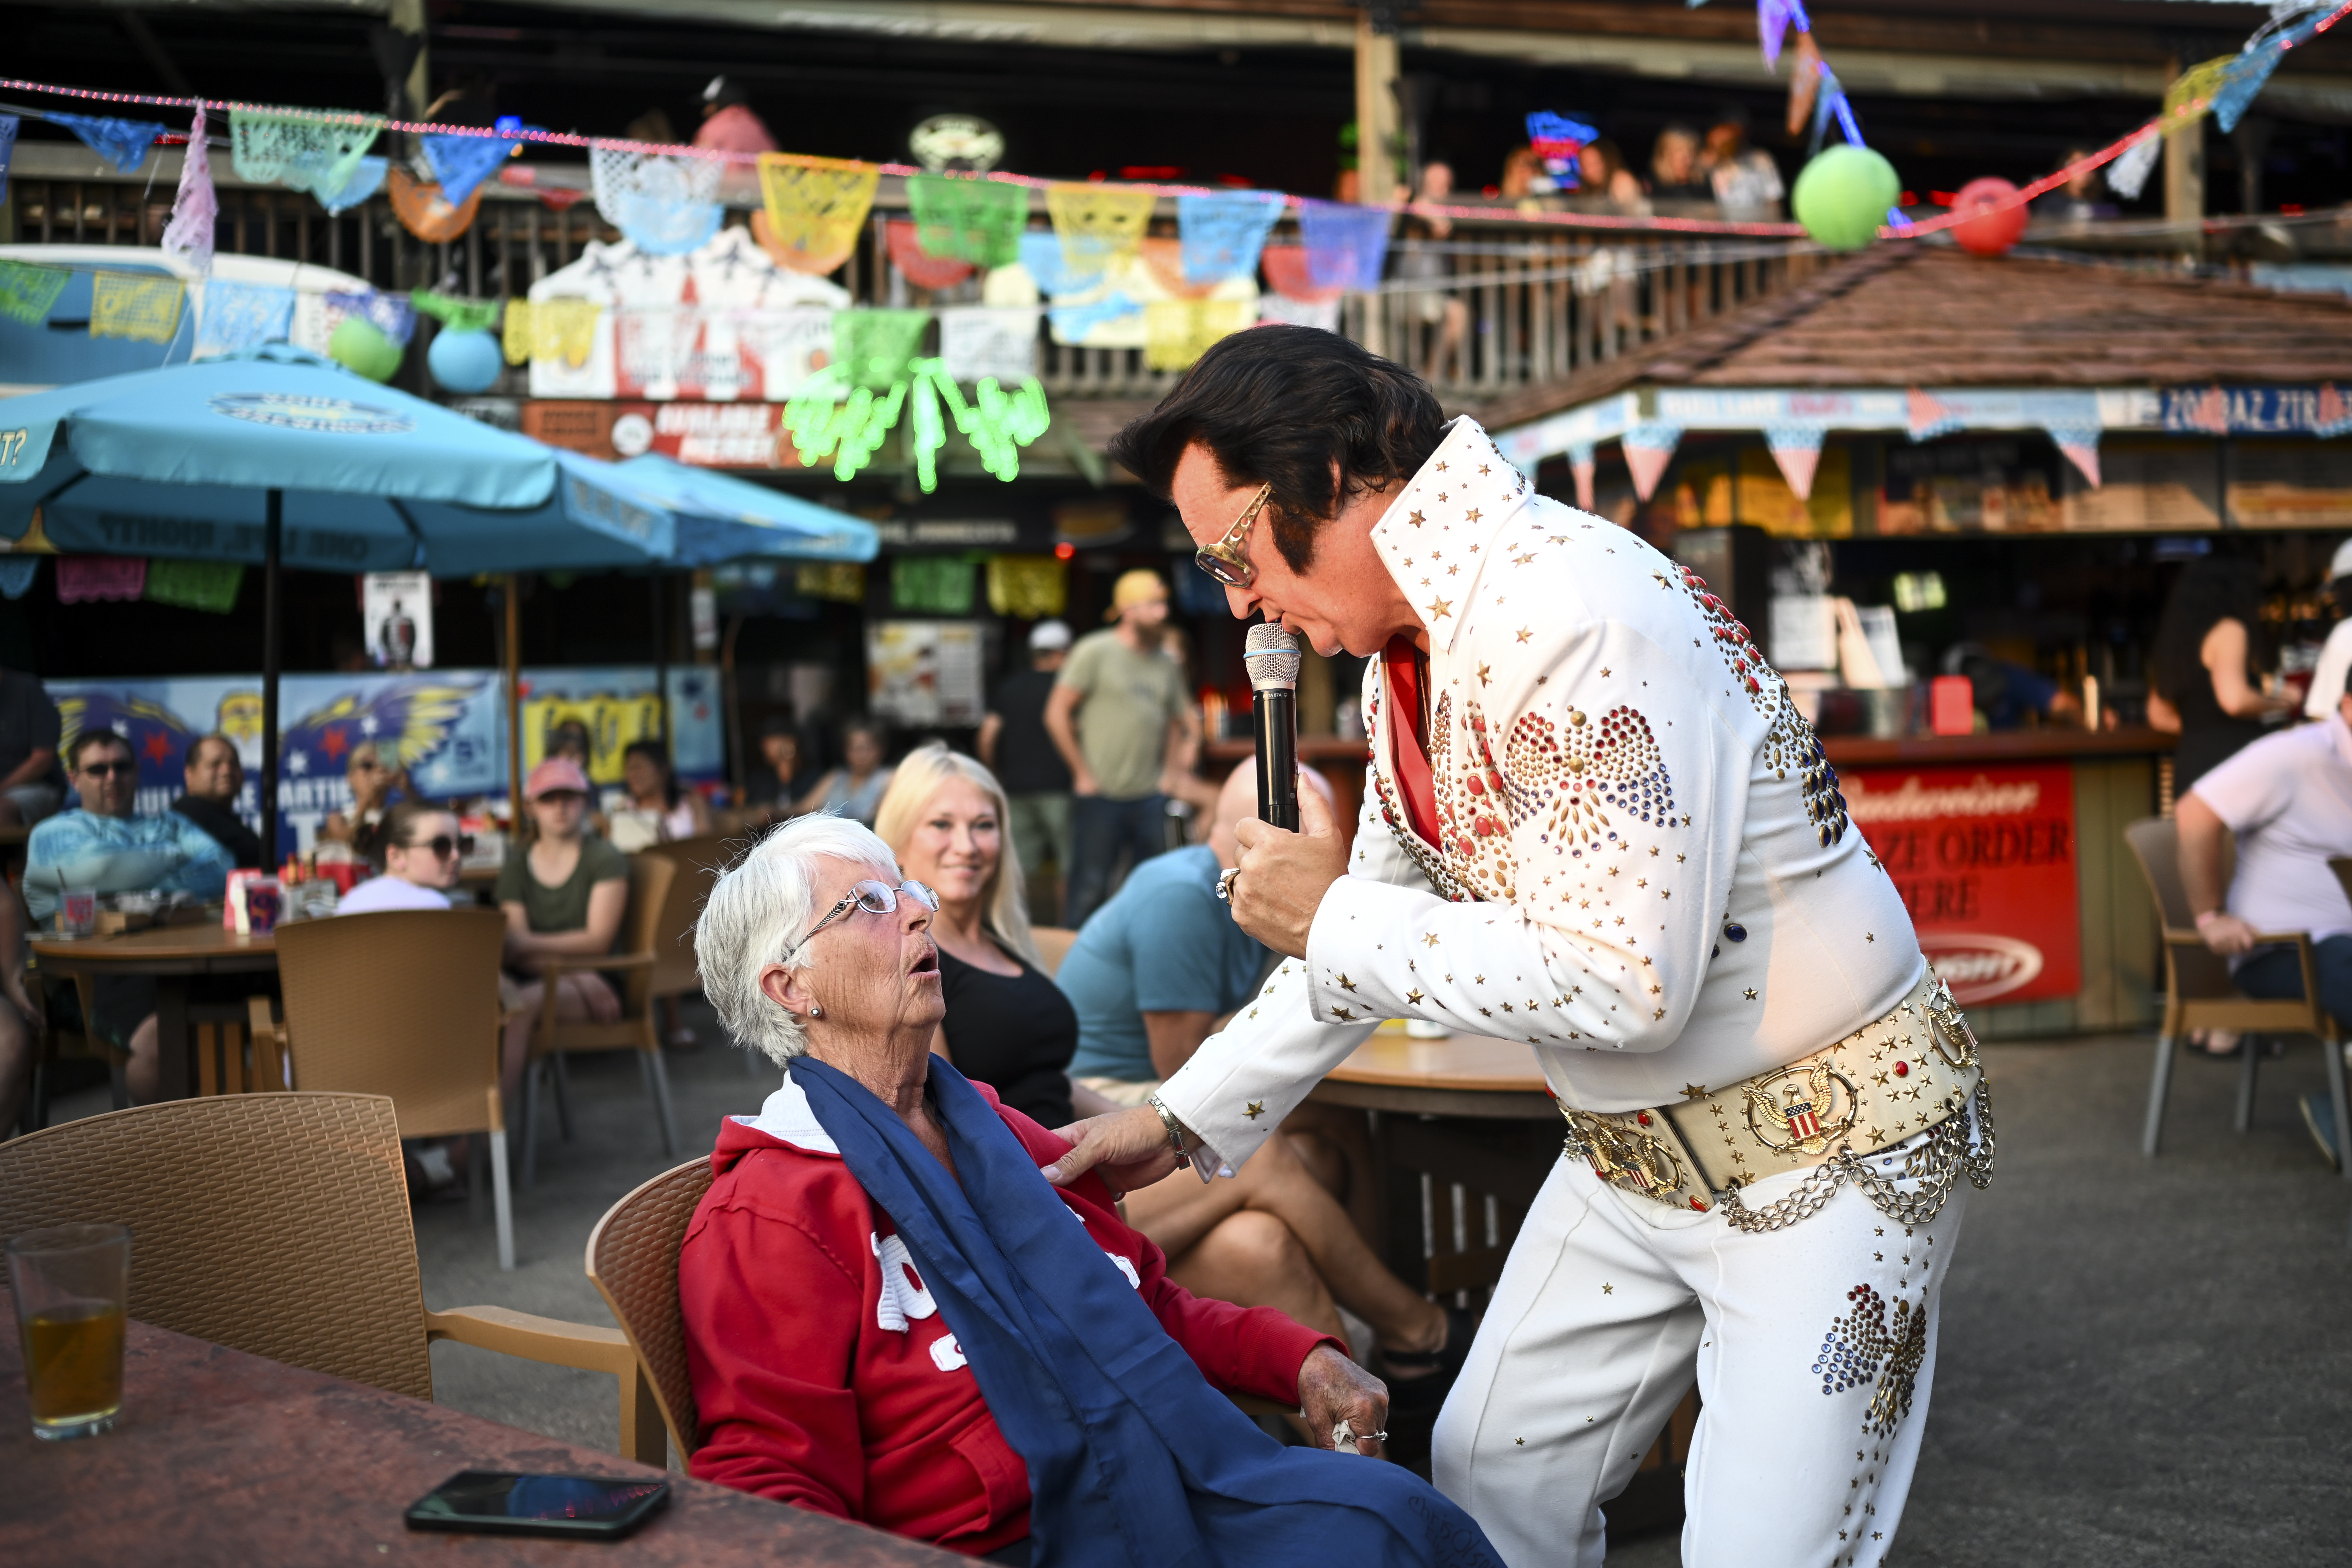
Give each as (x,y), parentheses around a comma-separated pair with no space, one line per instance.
(1224,560)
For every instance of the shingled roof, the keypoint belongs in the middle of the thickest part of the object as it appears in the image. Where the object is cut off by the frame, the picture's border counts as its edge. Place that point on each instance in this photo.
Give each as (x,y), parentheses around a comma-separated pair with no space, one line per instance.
(1913,314)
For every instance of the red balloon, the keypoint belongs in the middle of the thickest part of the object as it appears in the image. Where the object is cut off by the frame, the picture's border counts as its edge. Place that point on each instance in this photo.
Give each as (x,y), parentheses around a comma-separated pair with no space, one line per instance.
(1996,228)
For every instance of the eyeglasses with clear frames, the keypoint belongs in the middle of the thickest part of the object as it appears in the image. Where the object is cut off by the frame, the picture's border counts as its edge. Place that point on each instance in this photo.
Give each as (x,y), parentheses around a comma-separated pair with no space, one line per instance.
(1224,560)
(874,899)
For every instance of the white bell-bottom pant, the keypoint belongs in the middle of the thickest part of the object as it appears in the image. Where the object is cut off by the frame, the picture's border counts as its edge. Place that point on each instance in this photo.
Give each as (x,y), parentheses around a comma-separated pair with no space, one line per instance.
(1808,1344)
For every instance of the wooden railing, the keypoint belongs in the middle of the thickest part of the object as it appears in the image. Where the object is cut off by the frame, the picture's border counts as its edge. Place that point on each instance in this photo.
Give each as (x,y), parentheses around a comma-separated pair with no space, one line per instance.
(1485,311)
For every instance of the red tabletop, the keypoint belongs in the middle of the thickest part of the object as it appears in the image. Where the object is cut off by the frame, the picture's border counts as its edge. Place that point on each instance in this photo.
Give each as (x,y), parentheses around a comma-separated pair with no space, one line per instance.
(224,1457)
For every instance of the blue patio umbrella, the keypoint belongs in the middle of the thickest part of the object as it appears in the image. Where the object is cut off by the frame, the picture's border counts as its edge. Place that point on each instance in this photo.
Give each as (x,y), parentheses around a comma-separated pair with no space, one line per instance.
(722,518)
(279,455)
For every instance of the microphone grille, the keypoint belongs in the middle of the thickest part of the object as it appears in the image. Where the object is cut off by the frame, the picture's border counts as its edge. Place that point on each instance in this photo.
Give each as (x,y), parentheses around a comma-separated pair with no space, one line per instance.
(1272,657)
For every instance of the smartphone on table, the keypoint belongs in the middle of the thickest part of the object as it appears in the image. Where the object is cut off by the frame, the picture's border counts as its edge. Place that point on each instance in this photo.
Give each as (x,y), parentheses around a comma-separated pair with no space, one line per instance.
(510,1502)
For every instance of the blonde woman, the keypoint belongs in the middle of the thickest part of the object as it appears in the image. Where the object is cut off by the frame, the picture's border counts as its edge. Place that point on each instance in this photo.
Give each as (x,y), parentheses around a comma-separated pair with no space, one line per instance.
(1007,1025)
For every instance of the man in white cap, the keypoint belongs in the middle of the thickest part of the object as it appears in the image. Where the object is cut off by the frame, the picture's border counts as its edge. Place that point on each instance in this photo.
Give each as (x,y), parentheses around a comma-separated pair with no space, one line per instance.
(1120,712)
(1016,745)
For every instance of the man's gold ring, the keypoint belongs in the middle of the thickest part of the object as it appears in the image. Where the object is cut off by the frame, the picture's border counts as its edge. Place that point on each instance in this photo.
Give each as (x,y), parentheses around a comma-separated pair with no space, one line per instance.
(1225,885)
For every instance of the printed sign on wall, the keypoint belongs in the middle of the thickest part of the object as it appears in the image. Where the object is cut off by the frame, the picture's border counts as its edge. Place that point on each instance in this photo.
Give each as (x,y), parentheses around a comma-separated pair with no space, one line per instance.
(1985,860)
(446,728)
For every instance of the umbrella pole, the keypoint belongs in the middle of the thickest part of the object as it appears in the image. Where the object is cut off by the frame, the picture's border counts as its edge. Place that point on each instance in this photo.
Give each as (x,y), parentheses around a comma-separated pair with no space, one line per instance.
(514,707)
(661,671)
(272,538)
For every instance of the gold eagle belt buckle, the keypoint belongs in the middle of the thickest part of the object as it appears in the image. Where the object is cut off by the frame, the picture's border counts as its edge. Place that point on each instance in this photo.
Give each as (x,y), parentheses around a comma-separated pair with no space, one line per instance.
(1639,1152)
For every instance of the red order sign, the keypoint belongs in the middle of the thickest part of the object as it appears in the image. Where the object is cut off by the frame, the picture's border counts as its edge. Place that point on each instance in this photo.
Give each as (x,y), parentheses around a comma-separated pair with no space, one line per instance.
(1985,860)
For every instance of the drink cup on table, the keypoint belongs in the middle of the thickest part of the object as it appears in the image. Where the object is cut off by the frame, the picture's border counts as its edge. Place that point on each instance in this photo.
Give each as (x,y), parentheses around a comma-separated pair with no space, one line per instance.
(72,1286)
(78,911)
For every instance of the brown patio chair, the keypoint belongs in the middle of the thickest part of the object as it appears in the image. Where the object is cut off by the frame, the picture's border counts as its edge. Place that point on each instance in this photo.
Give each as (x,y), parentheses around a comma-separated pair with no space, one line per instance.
(650,877)
(1053,946)
(2199,995)
(673,974)
(405,1004)
(278,1224)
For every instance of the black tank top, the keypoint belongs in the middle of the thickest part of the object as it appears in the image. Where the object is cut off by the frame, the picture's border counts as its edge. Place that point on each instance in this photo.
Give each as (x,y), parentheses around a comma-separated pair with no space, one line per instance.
(2209,736)
(1015,1033)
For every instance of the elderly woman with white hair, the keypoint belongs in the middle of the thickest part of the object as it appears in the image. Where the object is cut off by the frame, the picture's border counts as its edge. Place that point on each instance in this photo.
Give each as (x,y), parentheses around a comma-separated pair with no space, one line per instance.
(891,1318)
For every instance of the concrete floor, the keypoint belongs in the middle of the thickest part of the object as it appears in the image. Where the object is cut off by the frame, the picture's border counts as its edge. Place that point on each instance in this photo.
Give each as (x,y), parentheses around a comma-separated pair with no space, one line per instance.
(2142,1364)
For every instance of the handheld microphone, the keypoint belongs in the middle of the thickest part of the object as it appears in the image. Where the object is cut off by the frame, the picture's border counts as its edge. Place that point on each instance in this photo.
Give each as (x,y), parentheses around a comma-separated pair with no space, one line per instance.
(1272,660)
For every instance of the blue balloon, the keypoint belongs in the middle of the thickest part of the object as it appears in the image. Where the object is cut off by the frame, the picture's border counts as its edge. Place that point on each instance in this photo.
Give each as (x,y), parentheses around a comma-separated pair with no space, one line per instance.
(464,361)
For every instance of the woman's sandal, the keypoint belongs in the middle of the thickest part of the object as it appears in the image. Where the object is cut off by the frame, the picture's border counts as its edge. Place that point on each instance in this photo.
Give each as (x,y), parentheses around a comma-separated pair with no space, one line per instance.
(1425,1394)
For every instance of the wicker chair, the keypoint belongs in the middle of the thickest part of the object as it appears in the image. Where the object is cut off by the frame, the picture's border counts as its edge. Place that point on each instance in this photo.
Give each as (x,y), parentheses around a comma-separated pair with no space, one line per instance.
(358,1021)
(2198,992)
(673,974)
(278,1224)
(633,1259)
(650,877)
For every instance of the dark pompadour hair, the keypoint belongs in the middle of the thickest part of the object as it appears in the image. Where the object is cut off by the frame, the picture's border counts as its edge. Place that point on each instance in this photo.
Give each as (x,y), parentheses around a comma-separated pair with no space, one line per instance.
(1309,412)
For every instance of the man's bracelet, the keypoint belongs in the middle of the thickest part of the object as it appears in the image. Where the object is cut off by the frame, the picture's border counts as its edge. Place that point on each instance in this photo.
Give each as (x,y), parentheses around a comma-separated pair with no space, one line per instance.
(1176,1131)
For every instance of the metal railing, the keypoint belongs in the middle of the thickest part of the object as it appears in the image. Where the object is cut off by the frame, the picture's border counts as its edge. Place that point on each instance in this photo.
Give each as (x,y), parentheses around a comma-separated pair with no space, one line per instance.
(1485,313)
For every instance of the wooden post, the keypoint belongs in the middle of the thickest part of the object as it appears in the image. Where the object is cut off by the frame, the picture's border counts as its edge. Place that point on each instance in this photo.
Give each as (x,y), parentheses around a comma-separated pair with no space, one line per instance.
(273,535)
(2184,180)
(514,707)
(1376,106)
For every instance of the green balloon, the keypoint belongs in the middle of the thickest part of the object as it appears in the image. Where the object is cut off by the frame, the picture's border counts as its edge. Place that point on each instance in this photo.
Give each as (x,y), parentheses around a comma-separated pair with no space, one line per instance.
(1842,195)
(360,345)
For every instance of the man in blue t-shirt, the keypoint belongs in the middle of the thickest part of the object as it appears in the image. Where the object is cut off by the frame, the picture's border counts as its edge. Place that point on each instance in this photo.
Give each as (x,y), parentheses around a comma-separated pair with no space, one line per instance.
(1157,969)
(1154,973)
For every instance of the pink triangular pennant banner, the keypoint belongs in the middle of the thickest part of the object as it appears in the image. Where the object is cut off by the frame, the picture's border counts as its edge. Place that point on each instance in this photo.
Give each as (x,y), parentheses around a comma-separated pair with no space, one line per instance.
(2083,455)
(1928,415)
(1649,466)
(1583,469)
(1797,465)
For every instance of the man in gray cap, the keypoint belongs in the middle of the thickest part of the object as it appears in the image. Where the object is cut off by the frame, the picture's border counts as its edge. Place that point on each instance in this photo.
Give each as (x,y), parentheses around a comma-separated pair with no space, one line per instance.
(1015,743)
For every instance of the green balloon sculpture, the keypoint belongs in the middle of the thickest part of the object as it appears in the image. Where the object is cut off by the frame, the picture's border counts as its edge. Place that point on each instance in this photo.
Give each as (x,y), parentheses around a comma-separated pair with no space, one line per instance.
(1842,195)
(360,345)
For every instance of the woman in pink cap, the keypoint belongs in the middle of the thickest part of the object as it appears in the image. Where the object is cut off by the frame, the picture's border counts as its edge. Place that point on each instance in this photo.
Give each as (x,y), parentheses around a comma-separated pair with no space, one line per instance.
(564,896)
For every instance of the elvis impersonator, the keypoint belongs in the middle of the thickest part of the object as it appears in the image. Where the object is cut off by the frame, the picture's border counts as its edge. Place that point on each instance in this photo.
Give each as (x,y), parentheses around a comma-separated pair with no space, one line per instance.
(1593,821)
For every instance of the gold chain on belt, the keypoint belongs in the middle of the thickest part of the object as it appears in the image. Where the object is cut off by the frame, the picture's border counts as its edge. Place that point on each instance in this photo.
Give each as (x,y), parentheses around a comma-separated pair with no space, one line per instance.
(1913,1071)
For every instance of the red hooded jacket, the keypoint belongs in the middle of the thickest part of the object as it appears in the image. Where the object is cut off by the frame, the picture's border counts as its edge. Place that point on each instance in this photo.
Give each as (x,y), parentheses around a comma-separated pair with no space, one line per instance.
(825,1376)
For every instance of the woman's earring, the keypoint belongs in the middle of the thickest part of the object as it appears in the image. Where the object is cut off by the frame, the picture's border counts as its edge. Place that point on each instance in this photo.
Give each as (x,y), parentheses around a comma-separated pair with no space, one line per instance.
(815,1011)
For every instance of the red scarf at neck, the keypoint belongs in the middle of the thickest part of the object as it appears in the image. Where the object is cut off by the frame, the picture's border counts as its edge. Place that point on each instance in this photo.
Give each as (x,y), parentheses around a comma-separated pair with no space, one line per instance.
(1404,670)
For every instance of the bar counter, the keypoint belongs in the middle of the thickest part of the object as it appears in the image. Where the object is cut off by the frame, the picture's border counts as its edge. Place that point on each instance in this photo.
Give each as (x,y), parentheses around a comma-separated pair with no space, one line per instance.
(2008,848)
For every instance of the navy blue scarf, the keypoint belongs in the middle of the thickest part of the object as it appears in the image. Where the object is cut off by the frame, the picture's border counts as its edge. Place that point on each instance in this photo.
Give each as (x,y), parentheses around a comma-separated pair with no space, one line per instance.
(1132,1456)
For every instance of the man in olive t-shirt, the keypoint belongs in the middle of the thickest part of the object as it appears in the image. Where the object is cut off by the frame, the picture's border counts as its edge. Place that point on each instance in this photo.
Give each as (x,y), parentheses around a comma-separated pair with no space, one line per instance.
(1118,709)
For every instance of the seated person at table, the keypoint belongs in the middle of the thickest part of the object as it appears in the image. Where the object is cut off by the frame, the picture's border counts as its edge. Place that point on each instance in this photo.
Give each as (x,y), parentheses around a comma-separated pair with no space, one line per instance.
(889,1316)
(423,851)
(372,777)
(214,778)
(31,783)
(563,895)
(102,847)
(1007,1025)
(2288,798)
(659,808)
(1155,972)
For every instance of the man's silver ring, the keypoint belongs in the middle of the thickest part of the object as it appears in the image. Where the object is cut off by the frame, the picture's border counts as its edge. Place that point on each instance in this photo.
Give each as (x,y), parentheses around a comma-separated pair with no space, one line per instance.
(1225,885)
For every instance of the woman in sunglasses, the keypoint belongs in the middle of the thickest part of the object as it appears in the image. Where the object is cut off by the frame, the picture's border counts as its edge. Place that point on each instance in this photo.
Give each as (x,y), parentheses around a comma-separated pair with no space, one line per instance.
(422,852)
(891,1317)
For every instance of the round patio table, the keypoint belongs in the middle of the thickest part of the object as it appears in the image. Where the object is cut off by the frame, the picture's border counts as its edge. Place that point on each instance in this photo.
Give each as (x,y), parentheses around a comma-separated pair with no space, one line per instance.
(1460,1075)
(172,956)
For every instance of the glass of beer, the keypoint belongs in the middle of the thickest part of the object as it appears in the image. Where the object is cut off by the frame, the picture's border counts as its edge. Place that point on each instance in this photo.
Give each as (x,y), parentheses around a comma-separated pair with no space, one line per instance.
(72,1284)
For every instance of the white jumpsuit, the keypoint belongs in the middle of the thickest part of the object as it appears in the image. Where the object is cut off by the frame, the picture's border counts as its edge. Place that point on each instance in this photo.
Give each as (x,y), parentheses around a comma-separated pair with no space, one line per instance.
(1645,870)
